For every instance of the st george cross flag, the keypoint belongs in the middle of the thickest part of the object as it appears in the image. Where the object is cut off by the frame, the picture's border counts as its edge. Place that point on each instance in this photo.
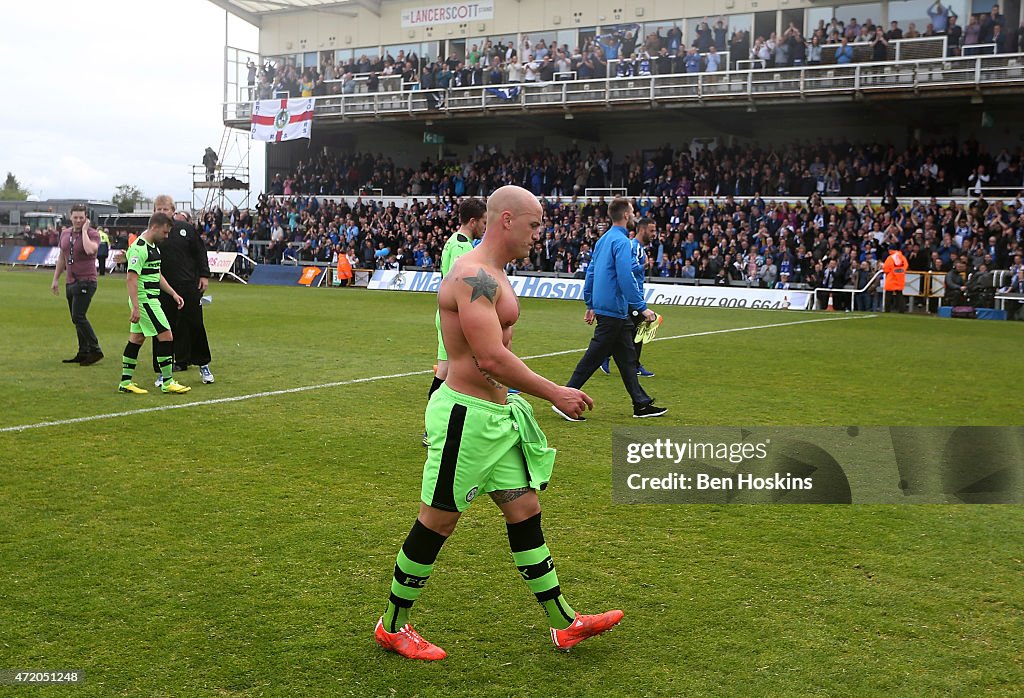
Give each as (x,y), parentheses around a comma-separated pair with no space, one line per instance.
(282,119)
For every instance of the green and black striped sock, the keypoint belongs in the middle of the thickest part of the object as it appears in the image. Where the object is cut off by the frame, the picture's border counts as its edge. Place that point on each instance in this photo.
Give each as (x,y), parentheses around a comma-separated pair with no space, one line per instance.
(533,559)
(129,360)
(412,569)
(164,358)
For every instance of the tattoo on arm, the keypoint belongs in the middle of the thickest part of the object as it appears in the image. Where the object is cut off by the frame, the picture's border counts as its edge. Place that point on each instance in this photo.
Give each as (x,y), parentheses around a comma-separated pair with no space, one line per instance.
(483,284)
(505,496)
(486,375)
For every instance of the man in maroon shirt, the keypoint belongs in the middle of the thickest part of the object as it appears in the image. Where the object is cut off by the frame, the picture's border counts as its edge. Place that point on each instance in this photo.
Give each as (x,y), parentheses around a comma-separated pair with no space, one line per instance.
(78,247)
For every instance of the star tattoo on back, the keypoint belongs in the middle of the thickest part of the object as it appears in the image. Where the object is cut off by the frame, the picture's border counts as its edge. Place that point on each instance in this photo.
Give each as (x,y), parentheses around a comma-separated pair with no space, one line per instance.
(483,284)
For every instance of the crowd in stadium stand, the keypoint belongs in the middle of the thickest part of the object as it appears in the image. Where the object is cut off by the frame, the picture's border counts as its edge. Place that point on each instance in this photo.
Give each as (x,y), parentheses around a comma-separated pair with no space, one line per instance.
(726,241)
(624,53)
(834,168)
(729,238)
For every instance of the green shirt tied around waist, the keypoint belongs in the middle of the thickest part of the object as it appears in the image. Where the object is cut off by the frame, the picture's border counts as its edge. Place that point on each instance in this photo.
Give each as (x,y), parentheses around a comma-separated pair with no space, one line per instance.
(540,458)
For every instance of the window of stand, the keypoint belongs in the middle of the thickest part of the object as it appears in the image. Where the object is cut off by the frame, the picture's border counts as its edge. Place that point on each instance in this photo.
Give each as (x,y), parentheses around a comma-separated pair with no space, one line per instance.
(916,11)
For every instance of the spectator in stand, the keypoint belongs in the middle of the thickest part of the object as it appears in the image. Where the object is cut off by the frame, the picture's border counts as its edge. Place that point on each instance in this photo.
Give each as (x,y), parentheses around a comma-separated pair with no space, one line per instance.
(1016,286)
(713,61)
(693,61)
(972,36)
(1005,43)
(739,47)
(769,273)
(955,36)
(663,62)
(844,53)
(531,68)
(250,79)
(797,49)
(978,180)
(719,33)
(862,278)
(939,16)
(782,56)
(674,37)
(770,43)
(760,53)
(514,71)
(703,39)
(894,32)
(879,47)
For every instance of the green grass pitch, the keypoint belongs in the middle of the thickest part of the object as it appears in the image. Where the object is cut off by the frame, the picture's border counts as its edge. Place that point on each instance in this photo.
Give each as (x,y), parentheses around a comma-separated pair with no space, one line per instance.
(246,547)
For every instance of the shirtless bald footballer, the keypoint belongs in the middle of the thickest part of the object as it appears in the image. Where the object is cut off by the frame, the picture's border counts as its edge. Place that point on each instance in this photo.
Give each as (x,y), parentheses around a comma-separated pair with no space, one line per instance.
(483,440)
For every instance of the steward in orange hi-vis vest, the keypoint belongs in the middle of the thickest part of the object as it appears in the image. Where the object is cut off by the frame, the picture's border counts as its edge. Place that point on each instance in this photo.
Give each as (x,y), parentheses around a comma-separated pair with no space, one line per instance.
(344,267)
(895,269)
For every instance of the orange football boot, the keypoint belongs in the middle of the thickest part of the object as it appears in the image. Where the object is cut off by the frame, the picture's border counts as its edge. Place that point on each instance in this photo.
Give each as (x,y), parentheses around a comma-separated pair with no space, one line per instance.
(584,627)
(408,643)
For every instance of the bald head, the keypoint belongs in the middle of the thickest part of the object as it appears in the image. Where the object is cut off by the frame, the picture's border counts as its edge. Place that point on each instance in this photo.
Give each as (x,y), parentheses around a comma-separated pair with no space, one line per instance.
(511,199)
(517,214)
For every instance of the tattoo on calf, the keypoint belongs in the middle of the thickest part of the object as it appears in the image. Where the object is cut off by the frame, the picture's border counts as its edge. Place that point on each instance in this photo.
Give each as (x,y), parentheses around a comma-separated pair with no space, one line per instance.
(506,496)
(483,284)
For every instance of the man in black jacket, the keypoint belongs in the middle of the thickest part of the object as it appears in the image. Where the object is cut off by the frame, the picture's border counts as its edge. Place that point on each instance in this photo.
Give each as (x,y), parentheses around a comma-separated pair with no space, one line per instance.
(187,270)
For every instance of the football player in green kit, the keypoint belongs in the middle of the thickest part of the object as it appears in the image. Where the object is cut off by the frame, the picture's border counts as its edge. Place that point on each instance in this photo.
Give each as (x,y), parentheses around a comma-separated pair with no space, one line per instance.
(147,317)
(485,441)
(472,219)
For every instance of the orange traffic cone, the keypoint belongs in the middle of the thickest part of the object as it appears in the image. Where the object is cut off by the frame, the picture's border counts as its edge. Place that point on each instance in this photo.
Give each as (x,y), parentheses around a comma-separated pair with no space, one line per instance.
(830,305)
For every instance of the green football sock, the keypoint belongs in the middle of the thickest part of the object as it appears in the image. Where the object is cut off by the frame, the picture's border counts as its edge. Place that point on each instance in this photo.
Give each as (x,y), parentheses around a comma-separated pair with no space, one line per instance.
(412,569)
(533,560)
(165,358)
(129,360)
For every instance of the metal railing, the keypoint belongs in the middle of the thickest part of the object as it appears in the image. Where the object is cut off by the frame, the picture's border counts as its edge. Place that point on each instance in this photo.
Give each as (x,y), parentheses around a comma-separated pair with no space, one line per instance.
(743,86)
(723,64)
(852,291)
(898,50)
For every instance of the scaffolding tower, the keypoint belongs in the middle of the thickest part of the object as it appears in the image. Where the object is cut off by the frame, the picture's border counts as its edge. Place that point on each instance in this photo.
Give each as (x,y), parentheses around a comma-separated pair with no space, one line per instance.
(227,185)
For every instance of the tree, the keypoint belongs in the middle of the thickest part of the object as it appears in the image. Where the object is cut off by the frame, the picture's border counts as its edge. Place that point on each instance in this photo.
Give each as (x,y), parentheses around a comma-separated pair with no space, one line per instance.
(13,190)
(126,198)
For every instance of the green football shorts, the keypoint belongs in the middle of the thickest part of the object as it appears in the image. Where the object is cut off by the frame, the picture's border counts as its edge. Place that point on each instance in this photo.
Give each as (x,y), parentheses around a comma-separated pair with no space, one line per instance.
(442,355)
(152,320)
(478,446)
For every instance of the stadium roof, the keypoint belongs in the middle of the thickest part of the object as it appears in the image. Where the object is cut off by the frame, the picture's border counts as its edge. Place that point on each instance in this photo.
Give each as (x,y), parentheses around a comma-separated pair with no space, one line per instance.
(253,11)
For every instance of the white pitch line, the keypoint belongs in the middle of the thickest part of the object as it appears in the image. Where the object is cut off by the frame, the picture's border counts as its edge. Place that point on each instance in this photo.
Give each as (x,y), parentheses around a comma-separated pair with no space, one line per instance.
(370,379)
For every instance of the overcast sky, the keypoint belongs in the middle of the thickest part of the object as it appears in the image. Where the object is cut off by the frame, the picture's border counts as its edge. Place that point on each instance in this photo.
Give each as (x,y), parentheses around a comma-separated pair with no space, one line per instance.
(114,92)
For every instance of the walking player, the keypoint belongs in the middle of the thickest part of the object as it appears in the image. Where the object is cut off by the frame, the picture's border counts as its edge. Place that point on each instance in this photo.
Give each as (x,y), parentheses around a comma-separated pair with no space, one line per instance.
(147,318)
(472,220)
(483,440)
(187,270)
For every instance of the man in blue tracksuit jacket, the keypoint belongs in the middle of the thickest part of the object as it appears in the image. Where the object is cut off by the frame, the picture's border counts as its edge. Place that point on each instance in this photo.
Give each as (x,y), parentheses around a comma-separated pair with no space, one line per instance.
(645,234)
(610,291)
